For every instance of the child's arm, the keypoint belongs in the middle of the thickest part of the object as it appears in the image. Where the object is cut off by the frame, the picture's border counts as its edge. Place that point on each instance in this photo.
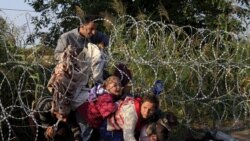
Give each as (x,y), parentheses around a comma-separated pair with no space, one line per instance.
(130,120)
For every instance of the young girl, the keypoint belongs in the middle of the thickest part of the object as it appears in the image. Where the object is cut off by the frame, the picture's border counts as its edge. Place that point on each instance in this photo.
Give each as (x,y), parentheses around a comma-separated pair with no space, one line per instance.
(99,107)
(127,121)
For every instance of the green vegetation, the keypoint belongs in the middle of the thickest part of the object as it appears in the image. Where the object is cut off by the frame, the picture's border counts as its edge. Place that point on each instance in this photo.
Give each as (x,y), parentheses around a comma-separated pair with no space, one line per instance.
(206,72)
(209,14)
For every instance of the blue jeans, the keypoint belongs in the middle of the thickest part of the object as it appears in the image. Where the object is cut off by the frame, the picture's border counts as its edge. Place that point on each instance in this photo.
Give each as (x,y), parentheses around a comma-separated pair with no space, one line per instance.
(110,135)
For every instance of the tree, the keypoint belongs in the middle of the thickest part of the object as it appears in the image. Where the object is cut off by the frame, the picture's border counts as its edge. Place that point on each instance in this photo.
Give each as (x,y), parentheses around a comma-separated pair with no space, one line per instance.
(7,40)
(212,14)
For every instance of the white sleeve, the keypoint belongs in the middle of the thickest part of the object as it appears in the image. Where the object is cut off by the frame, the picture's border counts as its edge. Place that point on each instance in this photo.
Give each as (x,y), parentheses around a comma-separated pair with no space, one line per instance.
(97,63)
(130,120)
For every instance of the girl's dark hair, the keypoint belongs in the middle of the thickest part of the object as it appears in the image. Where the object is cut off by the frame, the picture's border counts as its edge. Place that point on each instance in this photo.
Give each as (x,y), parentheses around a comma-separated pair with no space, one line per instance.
(152,99)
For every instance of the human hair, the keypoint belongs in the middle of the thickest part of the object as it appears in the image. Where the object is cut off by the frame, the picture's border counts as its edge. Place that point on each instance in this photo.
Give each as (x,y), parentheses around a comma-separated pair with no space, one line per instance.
(152,99)
(89,18)
(109,80)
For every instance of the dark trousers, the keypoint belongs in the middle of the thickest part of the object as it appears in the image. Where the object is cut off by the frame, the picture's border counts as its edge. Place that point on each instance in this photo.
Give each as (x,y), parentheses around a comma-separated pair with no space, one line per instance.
(110,135)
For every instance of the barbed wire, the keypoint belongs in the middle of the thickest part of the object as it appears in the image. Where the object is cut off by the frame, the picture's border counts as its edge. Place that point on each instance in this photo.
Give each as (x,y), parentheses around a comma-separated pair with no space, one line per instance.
(205,73)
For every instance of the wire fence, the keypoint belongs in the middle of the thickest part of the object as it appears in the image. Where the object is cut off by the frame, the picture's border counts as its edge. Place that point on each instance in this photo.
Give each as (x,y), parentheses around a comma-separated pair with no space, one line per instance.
(206,74)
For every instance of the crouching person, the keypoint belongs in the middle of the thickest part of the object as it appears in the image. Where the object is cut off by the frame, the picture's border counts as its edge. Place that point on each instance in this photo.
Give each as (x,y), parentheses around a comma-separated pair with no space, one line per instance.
(52,123)
(130,116)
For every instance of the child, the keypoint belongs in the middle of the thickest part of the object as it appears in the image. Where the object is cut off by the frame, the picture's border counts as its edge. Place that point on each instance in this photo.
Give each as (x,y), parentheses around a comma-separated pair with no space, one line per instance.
(131,114)
(102,105)
(124,73)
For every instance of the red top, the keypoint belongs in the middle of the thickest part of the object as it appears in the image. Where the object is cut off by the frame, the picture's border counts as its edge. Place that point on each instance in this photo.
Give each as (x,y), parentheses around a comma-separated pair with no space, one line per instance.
(96,111)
